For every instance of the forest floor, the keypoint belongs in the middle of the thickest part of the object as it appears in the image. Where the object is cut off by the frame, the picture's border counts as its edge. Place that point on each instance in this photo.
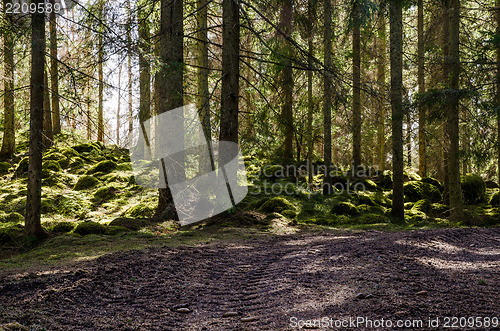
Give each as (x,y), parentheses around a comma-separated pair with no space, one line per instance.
(263,281)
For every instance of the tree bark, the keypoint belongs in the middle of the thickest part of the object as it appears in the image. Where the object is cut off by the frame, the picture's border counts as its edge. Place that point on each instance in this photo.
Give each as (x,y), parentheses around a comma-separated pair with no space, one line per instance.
(453,63)
(9,135)
(310,103)
(170,77)
(286,26)
(118,107)
(100,59)
(422,142)
(356,85)
(382,62)
(327,97)
(396,42)
(144,73)
(54,73)
(48,136)
(129,68)
(497,95)
(33,227)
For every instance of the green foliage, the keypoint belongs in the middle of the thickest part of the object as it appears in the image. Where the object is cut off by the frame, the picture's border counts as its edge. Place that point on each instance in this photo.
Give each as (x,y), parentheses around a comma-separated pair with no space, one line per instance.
(422,205)
(104,167)
(344,208)
(289,213)
(473,188)
(85,183)
(87,228)
(277,204)
(63,227)
(416,190)
(373,219)
(433,181)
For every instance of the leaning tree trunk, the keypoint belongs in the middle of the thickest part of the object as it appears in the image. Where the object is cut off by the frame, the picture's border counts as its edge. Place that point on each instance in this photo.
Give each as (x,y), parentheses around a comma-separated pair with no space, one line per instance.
(170,79)
(396,27)
(453,63)
(356,85)
(9,138)
(54,73)
(33,227)
(327,97)
(422,157)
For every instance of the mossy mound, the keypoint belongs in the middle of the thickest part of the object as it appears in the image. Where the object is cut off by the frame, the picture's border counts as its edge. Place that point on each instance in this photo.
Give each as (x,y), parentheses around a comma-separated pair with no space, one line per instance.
(51,165)
(438,209)
(411,176)
(289,213)
(63,227)
(491,184)
(11,218)
(133,224)
(87,228)
(87,148)
(11,234)
(473,188)
(365,198)
(415,216)
(54,156)
(364,185)
(277,204)
(417,190)
(86,182)
(422,205)
(115,230)
(22,167)
(344,208)
(432,181)
(69,152)
(495,199)
(104,194)
(373,219)
(4,168)
(76,163)
(141,210)
(104,167)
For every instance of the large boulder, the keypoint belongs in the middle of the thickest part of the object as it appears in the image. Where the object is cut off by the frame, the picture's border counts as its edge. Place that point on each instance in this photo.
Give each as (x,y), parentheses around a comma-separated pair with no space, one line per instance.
(473,188)
(418,190)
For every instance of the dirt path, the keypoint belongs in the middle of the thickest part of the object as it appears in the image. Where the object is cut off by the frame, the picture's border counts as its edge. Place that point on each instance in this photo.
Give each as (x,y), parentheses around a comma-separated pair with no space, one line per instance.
(277,280)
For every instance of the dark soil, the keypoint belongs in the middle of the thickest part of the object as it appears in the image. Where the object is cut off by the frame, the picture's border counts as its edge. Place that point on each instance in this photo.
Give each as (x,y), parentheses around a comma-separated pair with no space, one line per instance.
(396,276)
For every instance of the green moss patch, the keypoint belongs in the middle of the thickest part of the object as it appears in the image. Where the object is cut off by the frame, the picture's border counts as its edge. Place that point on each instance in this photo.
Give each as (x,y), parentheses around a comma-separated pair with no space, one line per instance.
(115,230)
(473,188)
(277,204)
(417,190)
(104,167)
(87,228)
(51,165)
(141,210)
(104,194)
(134,224)
(345,208)
(63,227)
(86,182)
(373,219)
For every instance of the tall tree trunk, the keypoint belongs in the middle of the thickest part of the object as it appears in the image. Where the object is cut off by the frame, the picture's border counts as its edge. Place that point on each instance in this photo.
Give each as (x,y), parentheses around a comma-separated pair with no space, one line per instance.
(310,103)
(327,97)
(100,59)
(54,73)
(33,227)
(9,135)
(129,67)
(170,78)
(89,117)
(396,27)
(453,63)
(381,64)
(497,95)
(203,95)
(118,108)
(356,85)
(286,26)
(408,139)
(144,73)
(48,136)
(422,157)
(445,39)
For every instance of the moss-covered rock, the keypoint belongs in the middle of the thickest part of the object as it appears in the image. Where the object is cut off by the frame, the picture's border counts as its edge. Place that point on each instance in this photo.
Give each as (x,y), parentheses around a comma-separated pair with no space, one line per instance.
(22,167)
(141,210)
(69,152)
(134,224)
(417,190)
(364,185)
(495,199)
(422,205)
(63,227)
(112,230)
(438,209)
(409,205)
(51,165)
(365,198)
(4,168)
(87,228)
(473,188)
(104,194)
(86,182)
(54,156)
(373,219)
(433,181)
(105,167)
(411,176)
(289,213)
(415,216)
(11,218)
(277,204)
(86,148)
(345,208)
(491,184)
(11,234)
(76,163)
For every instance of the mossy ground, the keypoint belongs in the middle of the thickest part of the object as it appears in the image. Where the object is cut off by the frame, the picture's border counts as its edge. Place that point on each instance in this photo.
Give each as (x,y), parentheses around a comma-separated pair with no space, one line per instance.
(278,204)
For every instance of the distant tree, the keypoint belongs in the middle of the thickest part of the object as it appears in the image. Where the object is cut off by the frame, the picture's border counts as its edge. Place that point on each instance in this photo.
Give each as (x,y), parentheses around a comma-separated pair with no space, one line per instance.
(422,141)
(327,95)
(33,225)
(381,77)
(144,69)
(356,83)
(54,72)
(100,60)
(48,135)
